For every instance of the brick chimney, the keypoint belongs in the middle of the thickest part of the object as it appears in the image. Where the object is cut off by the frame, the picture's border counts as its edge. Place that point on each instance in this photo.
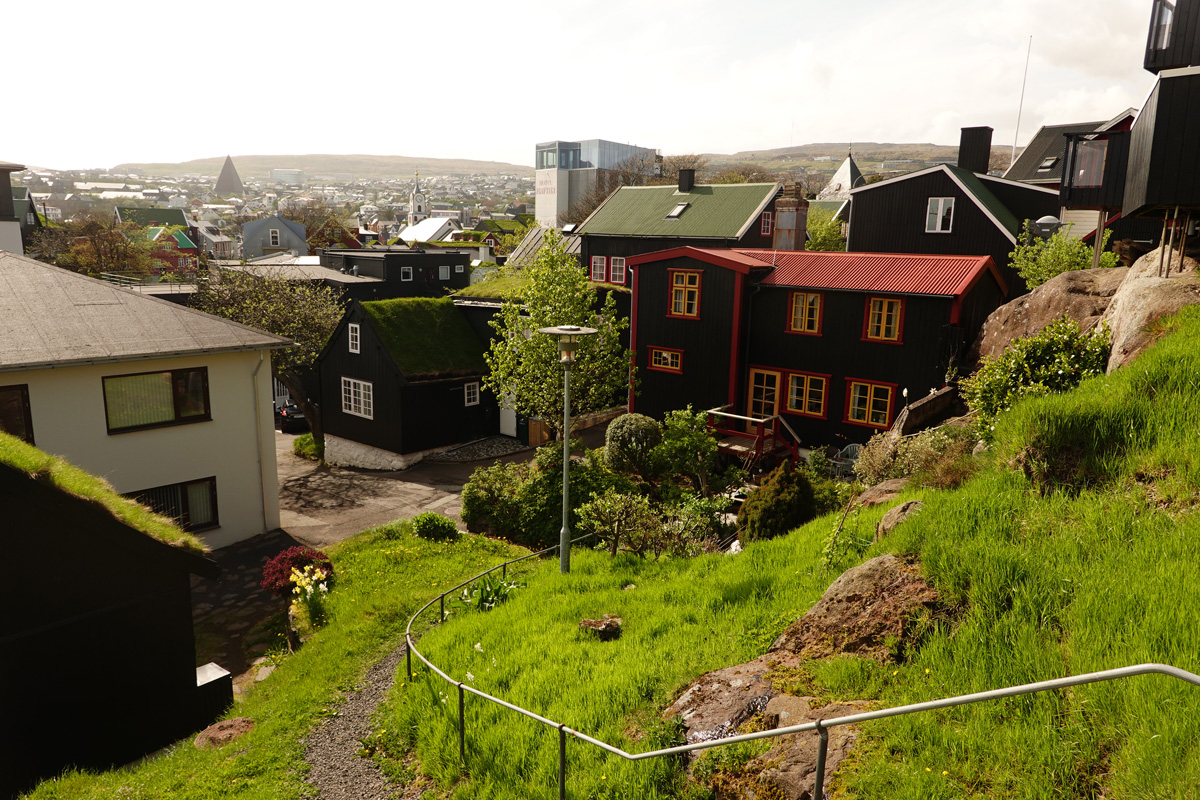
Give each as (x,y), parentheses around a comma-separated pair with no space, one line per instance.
(687,180)
(975,149)
(791,219)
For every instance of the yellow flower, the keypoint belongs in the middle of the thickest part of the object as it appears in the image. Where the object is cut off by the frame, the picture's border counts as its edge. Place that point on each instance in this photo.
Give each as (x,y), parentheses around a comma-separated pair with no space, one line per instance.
(945,772)
(603,777)
(927,671)
(927,769)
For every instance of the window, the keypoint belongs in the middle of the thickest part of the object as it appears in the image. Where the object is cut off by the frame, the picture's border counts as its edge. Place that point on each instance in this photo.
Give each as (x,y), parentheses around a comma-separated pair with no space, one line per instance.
(1164,14)
(616,270)
(406,273)
(30,219)
(666,360)
(939,215)
(156,399)
(806,395)
(884,317)
(677,211)
(869,404)
(458,267)
(274,237)
(471,394)
(14,412)
(598,264)
(1047,164)
(357,398)
(685,294)
(765,226)
(444,272)
(805,314)
(192,504)
(352,332)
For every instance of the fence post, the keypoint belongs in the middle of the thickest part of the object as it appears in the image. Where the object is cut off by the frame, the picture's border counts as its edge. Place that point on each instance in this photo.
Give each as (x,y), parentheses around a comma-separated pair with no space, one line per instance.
(462,727)
(822,745)
(442,601)
(408,655)
(504,571)
(562,763)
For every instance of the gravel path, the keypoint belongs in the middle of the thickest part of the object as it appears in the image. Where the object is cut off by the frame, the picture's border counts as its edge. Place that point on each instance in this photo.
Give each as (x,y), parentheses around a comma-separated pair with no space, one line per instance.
(337,770)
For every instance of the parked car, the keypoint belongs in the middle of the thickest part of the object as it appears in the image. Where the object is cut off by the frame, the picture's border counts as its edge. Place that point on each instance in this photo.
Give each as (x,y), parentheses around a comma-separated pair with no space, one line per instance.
(290,419)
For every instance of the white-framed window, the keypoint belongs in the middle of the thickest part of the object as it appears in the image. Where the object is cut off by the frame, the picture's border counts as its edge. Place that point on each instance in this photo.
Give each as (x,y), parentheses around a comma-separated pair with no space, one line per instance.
(765,227)
(617,270)
(598,265)
(444,272)
(192,504)
(358,398)
(939,215)
(458,267)
(274,237)
(406,273)
(156,399)
(352,332)
(471,394)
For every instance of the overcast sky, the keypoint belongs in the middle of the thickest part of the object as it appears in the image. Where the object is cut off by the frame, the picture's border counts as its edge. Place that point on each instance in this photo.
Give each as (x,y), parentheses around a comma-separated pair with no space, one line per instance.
(97,84)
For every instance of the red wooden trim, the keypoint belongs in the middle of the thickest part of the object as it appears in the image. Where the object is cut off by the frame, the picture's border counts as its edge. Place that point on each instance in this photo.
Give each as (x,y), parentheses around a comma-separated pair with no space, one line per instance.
(891,403)
(650,359)
(787,325)
(867,320)
(735,346)
(633,309)
(699,273)
(729,259)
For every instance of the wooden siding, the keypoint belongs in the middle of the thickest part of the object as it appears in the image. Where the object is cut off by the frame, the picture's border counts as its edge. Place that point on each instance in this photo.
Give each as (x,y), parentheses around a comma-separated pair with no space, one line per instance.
(1025,202)
(1111,192)
(1164,162)
(1184,45)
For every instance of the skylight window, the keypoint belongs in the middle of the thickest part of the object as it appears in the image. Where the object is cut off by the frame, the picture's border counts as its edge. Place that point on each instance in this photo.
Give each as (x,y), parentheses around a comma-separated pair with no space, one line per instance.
(1047,164)
(677,211)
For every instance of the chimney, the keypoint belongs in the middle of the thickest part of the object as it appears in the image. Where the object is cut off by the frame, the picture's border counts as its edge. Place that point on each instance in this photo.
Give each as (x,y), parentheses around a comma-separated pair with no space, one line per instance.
(687,179)
(791,219)
(975,149)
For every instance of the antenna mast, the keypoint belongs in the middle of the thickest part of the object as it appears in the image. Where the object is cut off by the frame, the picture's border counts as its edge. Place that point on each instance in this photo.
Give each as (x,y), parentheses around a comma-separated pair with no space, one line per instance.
(1021,104)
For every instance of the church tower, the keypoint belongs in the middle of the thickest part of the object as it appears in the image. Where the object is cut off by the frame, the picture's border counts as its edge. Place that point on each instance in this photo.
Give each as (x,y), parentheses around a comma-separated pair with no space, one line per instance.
(418,209)
(229,183)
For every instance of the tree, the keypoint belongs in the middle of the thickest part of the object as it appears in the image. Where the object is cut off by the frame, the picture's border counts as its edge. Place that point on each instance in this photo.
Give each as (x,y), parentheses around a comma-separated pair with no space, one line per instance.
(95,242)
(745,173)
(672,164)
(1039,260)
(524,364)
(824,231)
(304,312)
(637,170)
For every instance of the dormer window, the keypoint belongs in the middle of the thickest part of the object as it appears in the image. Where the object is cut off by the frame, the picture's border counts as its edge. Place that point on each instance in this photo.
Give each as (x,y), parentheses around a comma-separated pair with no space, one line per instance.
(677,211)
(1164,15)
(1047,164)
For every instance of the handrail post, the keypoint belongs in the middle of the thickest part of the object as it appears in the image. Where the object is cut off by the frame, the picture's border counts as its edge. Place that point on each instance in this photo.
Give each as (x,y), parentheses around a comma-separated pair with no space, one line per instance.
(408,655)
(462,727)
(818,792)
(562,763)
(442,601)
(504,571)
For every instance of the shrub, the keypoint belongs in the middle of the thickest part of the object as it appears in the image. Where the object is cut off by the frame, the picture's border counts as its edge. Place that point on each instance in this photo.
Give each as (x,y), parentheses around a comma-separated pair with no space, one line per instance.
(938,457)
(277,573)
(304,446)
(1052,361)
(1040,260)
(628,442)
(621,520)
(784,501)
(435,527)
(687,461)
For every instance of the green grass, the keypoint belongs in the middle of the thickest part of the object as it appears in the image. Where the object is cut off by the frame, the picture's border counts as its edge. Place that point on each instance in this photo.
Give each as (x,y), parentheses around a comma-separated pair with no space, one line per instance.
(305,447)
(509,287)
(380,582)
(1077,551)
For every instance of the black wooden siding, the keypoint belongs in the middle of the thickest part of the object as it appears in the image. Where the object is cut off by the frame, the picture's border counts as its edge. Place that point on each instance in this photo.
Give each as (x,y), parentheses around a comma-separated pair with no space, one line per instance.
(705,342)
(1184,47)
(1164,161)
(1110,194)
(1023,201)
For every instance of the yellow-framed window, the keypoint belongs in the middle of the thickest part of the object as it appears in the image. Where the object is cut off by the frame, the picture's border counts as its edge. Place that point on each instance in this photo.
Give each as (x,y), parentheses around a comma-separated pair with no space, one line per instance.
(670,360)
(883,319)
(805,316)
(685,294)
(870,404)
(806,395)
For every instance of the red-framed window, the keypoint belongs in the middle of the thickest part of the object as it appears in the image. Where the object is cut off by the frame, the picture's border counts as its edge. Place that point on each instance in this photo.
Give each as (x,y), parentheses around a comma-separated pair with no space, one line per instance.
(767,224)
(807,394)
(598,269)
(666,359)
(685,294)
(616,270)
(883,320)
(804,313)
(869,403)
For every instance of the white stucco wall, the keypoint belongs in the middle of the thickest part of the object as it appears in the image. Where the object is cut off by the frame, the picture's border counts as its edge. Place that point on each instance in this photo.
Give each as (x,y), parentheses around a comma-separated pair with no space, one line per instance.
(347,453)
(237,446)
(10,236)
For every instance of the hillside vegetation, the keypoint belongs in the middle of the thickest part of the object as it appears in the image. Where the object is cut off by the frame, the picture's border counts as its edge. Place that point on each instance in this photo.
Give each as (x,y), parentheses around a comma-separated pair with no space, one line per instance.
(1076,549)
(315,165)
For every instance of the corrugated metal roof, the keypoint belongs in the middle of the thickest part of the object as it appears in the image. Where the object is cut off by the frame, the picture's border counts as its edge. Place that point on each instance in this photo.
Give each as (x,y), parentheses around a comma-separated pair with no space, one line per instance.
(718,211)
(527,250)
(1047,142)
(864,272)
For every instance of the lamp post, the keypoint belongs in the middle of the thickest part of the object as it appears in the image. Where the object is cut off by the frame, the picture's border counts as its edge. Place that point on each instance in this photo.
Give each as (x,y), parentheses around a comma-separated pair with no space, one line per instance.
(568,342)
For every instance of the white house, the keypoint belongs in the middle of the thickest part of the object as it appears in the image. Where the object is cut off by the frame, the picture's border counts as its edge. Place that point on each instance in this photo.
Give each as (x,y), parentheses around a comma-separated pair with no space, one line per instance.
(168,404)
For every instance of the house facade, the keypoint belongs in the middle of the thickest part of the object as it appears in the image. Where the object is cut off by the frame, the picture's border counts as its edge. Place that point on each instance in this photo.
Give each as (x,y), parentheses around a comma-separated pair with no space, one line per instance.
(270,235)
(168,404)
(10,225)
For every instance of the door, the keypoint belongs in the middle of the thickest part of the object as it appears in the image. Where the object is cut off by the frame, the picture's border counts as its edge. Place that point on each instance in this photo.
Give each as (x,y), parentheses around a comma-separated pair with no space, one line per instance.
(763,399)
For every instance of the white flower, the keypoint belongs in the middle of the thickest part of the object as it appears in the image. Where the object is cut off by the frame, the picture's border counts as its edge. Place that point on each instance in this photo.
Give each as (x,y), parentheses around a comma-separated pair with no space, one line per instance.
(735,548)
(479,646)
(470,677)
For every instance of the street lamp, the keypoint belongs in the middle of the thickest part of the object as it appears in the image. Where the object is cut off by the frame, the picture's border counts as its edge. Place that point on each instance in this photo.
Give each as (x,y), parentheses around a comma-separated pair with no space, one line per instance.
(568,342)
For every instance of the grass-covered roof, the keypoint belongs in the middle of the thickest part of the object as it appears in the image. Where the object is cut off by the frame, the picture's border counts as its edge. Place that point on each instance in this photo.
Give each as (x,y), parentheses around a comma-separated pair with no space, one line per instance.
(16,454)
(426,337)
(504,287)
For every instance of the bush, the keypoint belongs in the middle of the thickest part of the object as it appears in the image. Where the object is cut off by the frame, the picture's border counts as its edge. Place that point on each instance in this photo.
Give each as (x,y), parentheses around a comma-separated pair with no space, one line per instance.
(277,573)
(687,461)
(435,527)
(304,446)
(1050,362)
(937,457)
(784,501)
(1041,260)
(628,442)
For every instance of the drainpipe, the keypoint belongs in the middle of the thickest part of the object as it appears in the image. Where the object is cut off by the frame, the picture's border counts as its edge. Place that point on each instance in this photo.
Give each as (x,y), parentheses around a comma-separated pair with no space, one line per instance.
(258,438)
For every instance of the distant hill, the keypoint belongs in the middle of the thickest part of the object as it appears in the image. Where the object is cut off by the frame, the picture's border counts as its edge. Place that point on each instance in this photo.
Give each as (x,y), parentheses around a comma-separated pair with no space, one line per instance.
(317,165)
(868,152)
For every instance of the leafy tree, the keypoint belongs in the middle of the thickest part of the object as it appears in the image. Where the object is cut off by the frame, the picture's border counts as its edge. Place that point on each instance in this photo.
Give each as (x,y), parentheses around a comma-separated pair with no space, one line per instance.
(96,242)
(825,232)
(687,460)
(744,173)
(1039,260)
(524,364)
(304,312)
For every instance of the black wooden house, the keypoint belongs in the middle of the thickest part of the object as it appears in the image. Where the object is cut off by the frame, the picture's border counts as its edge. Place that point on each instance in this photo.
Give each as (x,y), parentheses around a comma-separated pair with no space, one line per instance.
(404,272)
(400,378)
(829,342)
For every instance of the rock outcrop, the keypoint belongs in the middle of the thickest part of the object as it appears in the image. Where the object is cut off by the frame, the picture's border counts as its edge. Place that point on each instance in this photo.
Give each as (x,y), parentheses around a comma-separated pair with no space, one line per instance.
(1145,297)
(789,768)
(717,703)
(222,733)
(895,516)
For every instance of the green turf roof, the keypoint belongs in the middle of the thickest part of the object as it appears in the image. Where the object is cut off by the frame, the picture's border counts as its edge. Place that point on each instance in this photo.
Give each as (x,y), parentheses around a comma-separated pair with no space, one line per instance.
(146,217)
(509,287)
(426,337)
(501,225)
(719,211)
(72,480)
(988,200)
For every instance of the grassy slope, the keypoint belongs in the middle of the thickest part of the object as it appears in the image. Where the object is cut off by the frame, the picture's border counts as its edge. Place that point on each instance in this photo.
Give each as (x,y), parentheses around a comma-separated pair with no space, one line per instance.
(1042,585)
(380,583)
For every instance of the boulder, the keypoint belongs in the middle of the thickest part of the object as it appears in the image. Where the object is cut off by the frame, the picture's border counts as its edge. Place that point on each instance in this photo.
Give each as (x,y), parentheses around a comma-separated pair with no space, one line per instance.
(1083,295)
(895,516)
(882,492)
(222,733)
(1143,299)
(608,627)
(867,611)
(717,703)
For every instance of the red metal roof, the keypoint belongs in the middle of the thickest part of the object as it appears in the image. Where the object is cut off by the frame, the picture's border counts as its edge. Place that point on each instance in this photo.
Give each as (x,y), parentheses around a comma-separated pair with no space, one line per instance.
(896,273)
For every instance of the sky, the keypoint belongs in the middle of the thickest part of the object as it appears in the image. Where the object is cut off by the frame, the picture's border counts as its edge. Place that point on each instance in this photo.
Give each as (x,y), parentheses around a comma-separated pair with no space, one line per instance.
(102,84)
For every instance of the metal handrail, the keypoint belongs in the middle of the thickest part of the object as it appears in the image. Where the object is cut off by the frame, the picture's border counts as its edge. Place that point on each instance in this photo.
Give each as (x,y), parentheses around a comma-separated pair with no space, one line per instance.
(821,726)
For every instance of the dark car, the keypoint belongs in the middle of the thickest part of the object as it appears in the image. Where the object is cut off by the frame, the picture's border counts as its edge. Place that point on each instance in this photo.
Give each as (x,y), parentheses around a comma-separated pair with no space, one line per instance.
(290,419)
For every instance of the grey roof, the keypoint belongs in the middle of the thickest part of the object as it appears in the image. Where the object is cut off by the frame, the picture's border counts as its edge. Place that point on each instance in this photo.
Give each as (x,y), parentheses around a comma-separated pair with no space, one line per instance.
(529,246)
(8,166)
(53,317)
(292,270)
(1047,142)
(847,177)
(252,227)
